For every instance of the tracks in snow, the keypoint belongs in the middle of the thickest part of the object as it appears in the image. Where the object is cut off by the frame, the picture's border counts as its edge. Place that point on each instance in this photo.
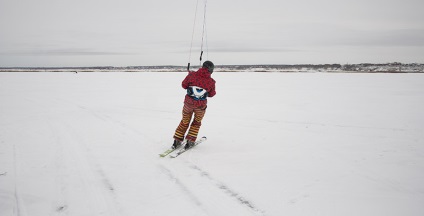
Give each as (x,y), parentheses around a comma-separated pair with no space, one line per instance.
(83,185)
(205,193)
(97,188)
(209,195)
(77,183)
(242,200)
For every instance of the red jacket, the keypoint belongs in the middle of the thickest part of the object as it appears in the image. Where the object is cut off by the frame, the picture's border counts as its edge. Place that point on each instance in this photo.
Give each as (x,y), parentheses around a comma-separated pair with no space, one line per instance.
(202,78)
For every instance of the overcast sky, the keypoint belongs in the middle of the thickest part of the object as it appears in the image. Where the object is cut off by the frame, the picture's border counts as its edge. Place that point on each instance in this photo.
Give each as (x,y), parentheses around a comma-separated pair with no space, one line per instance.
(158,32)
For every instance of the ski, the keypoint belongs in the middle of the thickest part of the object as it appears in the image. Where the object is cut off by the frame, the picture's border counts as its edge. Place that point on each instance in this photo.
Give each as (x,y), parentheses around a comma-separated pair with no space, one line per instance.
(184,150)
(170,150)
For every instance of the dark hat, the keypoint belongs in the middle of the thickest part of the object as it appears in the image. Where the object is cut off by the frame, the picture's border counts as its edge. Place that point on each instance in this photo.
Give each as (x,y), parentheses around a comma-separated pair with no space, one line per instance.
(209,65)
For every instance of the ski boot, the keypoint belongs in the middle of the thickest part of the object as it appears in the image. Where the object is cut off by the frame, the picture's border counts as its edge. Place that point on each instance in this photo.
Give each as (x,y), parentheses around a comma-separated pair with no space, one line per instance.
(176,144)
(189,144)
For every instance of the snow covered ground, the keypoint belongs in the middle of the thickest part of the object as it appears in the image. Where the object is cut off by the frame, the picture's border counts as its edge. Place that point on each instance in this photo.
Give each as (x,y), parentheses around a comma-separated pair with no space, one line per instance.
(298,144)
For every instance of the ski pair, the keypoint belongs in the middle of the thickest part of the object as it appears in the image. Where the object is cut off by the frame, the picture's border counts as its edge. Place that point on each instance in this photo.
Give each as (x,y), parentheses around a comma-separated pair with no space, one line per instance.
(180,149)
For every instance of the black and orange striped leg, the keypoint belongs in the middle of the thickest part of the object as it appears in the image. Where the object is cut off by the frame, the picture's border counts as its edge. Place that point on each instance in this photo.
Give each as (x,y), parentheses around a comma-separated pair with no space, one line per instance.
(185,122)
(195,125)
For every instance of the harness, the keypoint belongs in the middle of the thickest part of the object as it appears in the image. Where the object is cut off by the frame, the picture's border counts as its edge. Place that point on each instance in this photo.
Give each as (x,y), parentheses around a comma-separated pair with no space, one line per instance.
(197,93)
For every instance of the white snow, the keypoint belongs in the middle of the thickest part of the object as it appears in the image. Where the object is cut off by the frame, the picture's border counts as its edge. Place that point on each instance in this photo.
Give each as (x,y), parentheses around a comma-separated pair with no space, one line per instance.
(298,144)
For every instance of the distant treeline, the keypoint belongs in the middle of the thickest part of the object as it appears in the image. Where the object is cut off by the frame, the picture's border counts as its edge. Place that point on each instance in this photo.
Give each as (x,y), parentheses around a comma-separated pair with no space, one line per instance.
(394,67)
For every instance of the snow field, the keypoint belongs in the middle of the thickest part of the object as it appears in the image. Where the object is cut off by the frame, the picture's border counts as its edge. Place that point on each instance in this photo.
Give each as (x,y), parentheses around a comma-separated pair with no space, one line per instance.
(278,144)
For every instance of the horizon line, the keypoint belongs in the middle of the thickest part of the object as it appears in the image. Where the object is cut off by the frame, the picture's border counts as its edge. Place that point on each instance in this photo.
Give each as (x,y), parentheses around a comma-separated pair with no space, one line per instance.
(224,65)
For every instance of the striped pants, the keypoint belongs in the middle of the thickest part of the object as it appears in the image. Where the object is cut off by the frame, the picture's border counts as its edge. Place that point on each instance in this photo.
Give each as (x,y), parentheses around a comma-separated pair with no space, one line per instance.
(188,112)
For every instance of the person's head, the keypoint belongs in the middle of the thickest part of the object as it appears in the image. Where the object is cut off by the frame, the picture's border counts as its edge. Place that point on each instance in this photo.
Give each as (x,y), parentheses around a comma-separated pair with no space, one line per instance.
(209,65)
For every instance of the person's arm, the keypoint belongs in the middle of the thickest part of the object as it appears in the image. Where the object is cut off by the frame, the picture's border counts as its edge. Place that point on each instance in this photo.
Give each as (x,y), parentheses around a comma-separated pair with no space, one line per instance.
(212,91)
(185,83)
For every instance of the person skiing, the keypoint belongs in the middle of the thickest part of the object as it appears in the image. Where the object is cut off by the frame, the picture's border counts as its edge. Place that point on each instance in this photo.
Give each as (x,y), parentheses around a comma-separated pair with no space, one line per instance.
(199,85)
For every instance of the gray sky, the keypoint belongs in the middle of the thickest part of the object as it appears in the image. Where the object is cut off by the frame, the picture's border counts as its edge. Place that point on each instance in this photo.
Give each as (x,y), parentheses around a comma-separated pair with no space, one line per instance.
(153,32)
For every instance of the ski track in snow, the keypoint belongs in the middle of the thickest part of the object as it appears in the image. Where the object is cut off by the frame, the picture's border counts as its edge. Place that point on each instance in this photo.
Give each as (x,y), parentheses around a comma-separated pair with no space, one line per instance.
(220,200)
(104,193)
(242,200)
(185,189)
(97,188)
(19,209)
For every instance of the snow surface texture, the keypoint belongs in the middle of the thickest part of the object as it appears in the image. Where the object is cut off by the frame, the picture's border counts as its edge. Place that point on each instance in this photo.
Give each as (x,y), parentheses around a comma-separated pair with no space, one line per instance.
(278,144)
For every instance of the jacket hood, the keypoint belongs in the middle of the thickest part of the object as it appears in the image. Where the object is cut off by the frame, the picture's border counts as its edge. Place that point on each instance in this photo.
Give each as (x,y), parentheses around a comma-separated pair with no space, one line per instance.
(204,72)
